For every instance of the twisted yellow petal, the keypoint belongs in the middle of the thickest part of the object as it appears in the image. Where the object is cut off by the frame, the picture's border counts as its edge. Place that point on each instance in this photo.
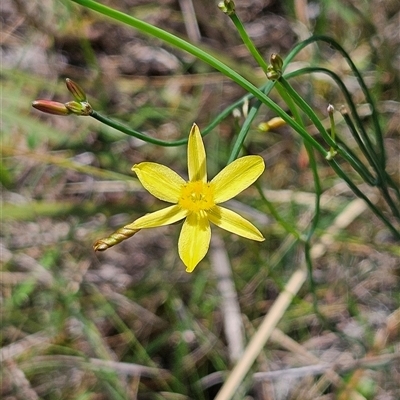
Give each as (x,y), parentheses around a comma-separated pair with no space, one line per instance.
(115,238)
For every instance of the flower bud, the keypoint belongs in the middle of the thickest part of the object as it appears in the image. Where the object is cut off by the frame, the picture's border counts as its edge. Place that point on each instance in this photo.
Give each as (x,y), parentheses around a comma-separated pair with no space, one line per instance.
(273,123)
(79,108)
(115,238)
(276,62)
(272,74)
(75,90)
(227,7)
(275,67)
(51,107)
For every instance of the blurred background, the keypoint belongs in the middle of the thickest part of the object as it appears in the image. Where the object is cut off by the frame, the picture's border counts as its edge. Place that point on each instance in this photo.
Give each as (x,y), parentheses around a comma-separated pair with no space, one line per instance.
(130,323)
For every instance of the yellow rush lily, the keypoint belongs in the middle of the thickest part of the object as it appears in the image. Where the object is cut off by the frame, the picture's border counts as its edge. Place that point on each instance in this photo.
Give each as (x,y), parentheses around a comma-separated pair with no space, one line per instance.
(197,200)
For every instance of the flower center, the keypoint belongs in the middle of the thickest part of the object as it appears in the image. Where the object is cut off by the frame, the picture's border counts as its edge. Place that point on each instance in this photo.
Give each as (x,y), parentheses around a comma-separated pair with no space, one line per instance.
(196,196)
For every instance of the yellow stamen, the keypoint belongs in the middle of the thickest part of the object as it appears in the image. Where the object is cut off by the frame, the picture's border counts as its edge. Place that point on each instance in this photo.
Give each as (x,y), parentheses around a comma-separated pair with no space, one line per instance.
(196,196)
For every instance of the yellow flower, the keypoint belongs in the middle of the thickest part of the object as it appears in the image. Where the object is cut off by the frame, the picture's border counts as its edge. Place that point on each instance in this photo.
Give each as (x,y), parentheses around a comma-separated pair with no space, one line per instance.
(197,200)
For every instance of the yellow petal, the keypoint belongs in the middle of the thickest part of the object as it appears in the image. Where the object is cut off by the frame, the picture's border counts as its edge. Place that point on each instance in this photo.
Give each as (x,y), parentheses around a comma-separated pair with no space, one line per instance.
(233,222)
(194,240)
(236,177)
(165,216)
(197,168)
(159,180)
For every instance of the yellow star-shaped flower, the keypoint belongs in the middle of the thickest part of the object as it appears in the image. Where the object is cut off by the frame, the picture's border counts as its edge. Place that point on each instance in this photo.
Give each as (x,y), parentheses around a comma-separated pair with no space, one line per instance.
(197,200)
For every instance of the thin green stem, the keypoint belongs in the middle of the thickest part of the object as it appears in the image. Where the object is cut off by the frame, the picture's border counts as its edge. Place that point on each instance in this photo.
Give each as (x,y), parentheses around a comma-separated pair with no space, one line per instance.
(131,132)
(248,42)
(336,167)
(317,211)
(363,142)
(356,163)
(367,94)
(243,132)
(358,166)
(272,210)
(306,109)
(362,139)
(204,56)
(334,44)
(248,121)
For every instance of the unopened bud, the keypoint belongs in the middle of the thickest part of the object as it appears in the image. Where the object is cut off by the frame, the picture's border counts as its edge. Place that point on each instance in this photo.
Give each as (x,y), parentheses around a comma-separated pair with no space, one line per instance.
(332,151)
(273,123)
(276,62)
(51,107)
(344,110)
(227,7)
(79,108)
(115,238)
(272,74)
(75,90)
(275,67)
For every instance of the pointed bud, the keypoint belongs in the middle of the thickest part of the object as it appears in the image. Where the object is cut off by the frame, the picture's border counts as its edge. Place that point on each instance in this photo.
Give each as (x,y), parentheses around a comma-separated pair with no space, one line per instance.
(276,62)
(75,90)
(115,238)
(272,75)
(332,151)
(273,123)
(227,7)
(51,107)
(275,67)
(83,108)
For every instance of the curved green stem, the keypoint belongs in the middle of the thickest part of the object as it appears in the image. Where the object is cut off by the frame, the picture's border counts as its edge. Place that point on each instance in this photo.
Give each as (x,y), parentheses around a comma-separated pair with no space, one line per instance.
(354,162)
(272,210)
(363,141)
(306,109)
(364,88)
(336,167)
(131,132)
(318,192)
(243,132)
(248,42)
(204,56)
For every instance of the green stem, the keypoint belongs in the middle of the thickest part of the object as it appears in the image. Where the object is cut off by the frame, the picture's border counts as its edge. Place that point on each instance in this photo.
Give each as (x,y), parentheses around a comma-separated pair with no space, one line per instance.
(356,163)
(131,132)
(367,94)
(204,56)
(364,88)
(285,85)
(318,192)
(248,42)
(363,139)
(360,194)
(272,210)
(243,133)
(358,166)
